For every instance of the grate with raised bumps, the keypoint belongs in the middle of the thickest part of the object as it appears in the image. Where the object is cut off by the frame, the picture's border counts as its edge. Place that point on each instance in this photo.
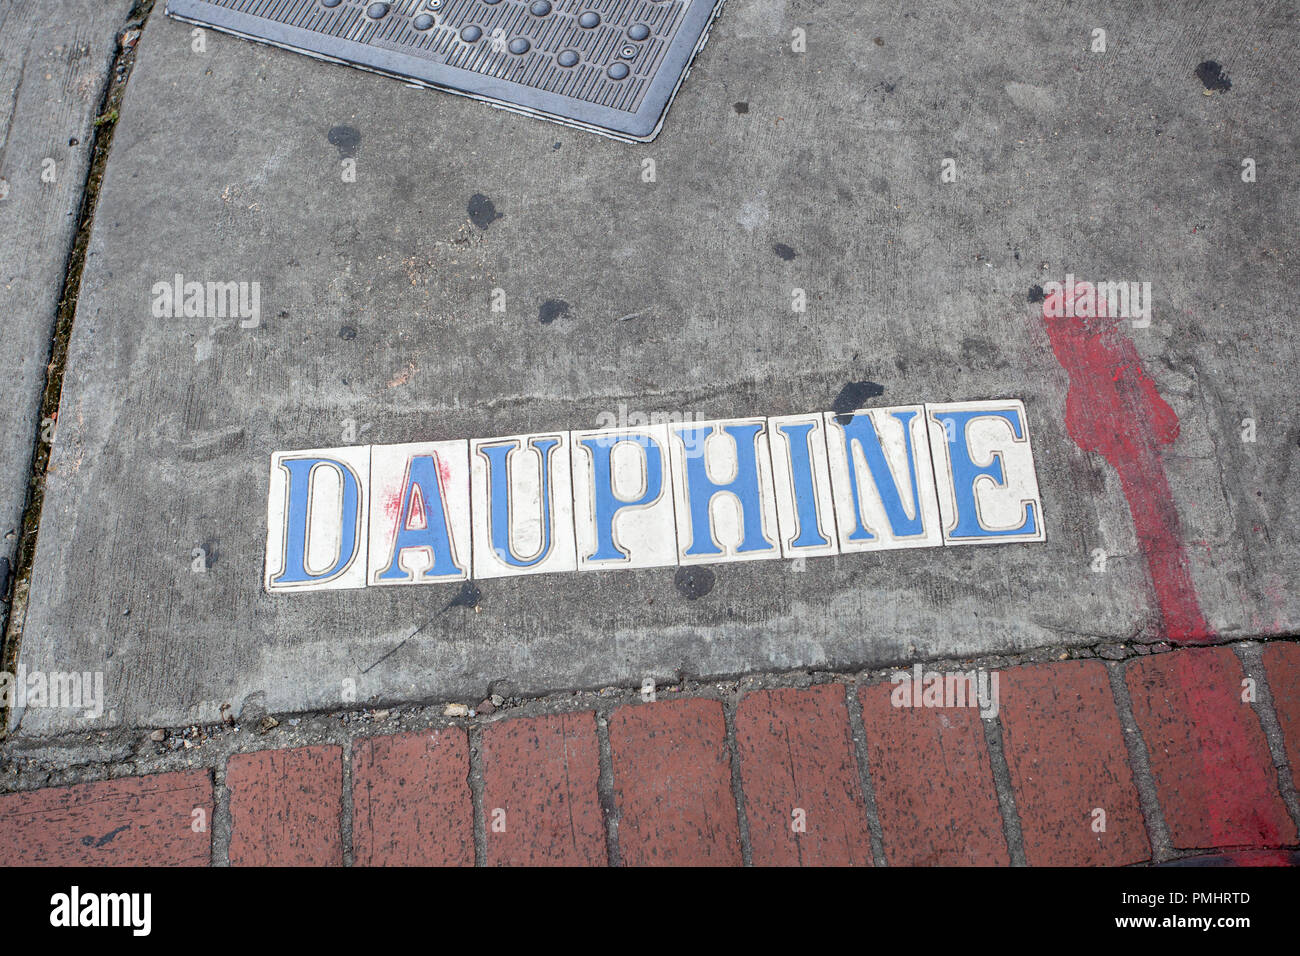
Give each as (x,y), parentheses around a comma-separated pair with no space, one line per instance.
(610,66)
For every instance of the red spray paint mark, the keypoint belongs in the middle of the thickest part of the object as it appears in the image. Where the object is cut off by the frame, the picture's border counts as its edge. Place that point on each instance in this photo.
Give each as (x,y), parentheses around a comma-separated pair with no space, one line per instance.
(392,503)
(393,506)
(1113,409)
(1232,784)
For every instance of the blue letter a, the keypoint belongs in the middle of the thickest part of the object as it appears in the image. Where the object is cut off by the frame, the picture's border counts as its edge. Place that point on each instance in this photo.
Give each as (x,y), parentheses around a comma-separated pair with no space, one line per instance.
(423,487)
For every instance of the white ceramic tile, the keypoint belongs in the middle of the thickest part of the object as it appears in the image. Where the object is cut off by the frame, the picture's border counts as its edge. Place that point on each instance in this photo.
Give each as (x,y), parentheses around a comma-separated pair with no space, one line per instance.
(420,496)
(707,452)
(532,538)
(984,466)
(316,519)
(623,498)
(800,475)
(885,497)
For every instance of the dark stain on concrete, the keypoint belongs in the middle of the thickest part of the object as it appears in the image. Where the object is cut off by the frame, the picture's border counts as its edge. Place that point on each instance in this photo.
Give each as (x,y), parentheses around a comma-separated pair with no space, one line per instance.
(741,107)
(347,139)
(981,352)
(347,332)
(468,596)
(851,397)
(482,212)
(784,251)
(1212,77)
(1036,293)
(551,310)
(694,582)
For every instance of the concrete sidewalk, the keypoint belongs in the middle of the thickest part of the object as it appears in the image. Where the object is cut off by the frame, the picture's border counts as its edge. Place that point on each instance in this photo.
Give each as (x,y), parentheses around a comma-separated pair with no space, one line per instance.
(776,170)
(55,65)
(425,267)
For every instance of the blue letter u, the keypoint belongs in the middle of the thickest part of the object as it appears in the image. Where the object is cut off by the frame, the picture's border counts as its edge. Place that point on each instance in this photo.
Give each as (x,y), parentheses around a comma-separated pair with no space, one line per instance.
(500,499)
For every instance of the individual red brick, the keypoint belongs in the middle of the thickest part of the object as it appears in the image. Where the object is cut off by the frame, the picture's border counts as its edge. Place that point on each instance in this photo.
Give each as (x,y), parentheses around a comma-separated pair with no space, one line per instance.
(796,755)
(285,807)
(1282,665)
(133,821)
(672,780)
(933,783)
(1213,772)
(411,800)
(540,796)
(1065,749)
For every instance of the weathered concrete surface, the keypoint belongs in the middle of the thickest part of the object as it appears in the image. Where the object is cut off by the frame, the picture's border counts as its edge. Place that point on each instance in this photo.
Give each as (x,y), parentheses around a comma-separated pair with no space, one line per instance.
(55,58)
(375,296)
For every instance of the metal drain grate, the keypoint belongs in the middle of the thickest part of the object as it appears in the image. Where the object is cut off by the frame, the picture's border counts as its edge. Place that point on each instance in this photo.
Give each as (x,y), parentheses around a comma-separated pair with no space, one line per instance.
(610,66)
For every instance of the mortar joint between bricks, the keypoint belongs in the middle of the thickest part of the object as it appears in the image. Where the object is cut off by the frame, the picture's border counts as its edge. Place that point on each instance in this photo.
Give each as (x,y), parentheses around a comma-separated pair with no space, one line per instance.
(1001,773)
(476,790)
(346,807)
(1251,655)
(222,822)
(1140,764)
(858,731)
(605,787)
(737,779)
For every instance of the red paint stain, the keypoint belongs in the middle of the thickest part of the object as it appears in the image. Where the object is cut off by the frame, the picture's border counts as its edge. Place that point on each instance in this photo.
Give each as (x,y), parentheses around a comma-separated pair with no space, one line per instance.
(1231,787)
(1113,409)
(392,503)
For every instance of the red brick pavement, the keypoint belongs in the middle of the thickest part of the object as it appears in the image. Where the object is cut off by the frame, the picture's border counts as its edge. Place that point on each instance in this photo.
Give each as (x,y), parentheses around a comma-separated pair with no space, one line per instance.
(411,800)
(803,791)
(934,783)
(540,798)
(1213,772)
(672,782)
(1069,766)
(164,819)
(783,780)
(1282,664)
(286,807)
